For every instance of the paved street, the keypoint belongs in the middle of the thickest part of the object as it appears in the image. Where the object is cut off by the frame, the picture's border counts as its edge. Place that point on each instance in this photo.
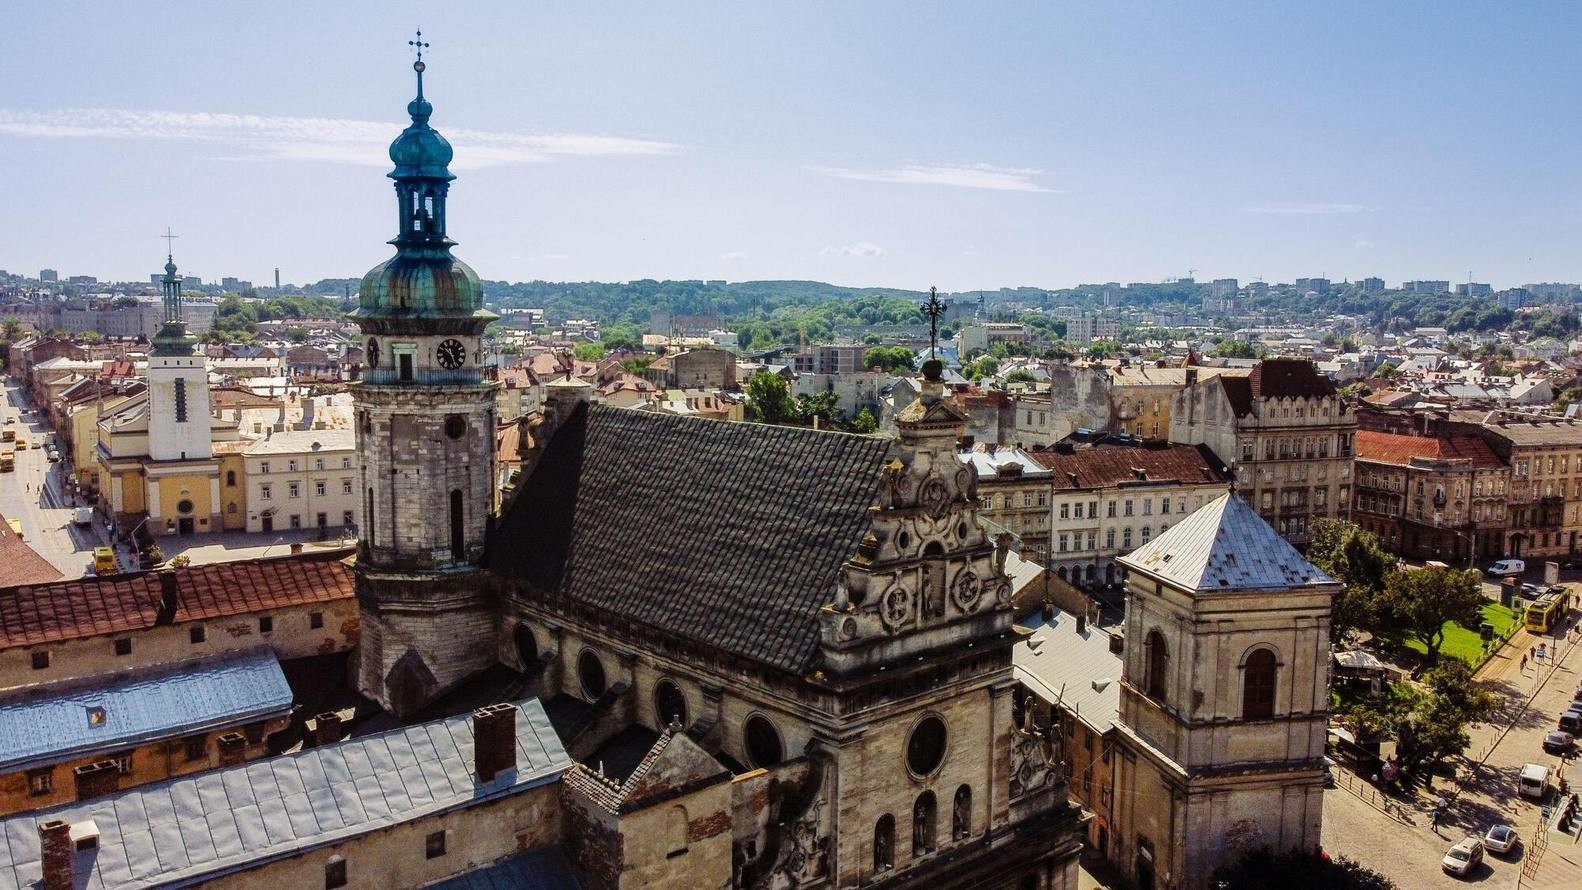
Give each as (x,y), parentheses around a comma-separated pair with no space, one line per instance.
(1395,836)
(35,494)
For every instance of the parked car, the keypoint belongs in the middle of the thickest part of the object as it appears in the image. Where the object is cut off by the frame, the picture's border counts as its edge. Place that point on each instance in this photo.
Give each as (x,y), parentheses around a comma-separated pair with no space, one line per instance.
(1559,742)
(1503,567)
(52,455)
(1500,839)
(82,516)
(1463,857)
(1533,783)
(1571,721)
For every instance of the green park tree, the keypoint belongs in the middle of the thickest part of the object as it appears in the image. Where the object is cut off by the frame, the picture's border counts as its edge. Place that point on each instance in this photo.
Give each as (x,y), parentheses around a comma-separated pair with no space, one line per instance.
(891,359)
(1420,601)
(769,398)
(864,422)
(1353,556)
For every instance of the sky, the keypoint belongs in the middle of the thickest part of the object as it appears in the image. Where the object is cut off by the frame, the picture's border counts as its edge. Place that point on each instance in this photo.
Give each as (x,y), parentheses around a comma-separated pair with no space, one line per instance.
(864,143)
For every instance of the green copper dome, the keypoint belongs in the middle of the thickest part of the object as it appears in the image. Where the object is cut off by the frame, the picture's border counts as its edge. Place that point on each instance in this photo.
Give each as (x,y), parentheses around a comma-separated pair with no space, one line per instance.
(423,287)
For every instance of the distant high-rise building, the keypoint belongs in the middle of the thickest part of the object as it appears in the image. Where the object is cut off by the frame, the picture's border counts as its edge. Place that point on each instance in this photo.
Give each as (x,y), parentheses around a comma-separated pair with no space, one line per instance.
(1474,289)
(1514,298)
(1372,285)
(1224,287)
(1427,287)
(82,280)
(235,284)
(48,275)
(1313,285)
(1552,290)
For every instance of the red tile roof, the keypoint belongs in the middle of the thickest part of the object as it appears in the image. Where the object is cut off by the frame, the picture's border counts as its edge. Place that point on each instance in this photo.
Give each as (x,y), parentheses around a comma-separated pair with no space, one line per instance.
(31,614)
(19,563)
(1391,448)
(1107,467)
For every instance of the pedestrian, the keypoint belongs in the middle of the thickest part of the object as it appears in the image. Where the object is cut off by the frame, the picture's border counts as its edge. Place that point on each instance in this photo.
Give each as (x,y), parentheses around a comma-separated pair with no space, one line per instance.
(1524,662)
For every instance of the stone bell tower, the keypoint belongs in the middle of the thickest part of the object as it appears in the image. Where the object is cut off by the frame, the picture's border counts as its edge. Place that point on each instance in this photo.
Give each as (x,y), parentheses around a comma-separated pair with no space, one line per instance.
(425,437)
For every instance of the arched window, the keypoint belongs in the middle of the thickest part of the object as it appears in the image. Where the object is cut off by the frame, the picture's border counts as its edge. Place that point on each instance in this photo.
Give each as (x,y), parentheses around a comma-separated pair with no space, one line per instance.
(1157,657)
(526,647)
(669,704)
(1257,686)
(591,671)
(457,538)
(764,748)
(884,843)
(925,816)
(961,814)
(230,478)
(676,832)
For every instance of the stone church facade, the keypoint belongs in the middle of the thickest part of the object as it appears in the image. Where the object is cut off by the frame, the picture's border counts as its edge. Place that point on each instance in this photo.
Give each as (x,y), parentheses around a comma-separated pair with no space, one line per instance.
(780,657)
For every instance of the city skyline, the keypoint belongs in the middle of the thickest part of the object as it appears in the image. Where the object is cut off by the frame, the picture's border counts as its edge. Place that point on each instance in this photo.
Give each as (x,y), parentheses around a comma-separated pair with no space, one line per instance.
(881,145)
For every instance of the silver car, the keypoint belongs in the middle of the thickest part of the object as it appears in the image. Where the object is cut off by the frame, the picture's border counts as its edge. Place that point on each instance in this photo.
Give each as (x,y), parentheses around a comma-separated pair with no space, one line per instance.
(1500,839)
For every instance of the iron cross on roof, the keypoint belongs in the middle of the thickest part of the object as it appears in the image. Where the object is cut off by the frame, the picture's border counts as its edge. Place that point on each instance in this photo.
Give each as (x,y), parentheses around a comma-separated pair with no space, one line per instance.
(418,44)
(934,309)
(169,238)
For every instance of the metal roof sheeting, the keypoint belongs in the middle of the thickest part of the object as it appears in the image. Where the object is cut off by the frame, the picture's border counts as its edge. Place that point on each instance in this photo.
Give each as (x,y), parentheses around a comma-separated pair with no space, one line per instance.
(1224,545)
(1076,671)
(196,828)
(51,724)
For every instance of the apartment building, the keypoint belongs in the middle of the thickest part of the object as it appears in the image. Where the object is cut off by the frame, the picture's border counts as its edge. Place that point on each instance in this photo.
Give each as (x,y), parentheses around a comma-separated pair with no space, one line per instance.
(1287,434)
(1014,490)
(1544,455)
(302,479)
(1107,500)
(1432,498)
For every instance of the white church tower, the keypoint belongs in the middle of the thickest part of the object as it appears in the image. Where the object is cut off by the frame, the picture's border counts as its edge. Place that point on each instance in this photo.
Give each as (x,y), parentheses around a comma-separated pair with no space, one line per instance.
(1224,698)
(178,385)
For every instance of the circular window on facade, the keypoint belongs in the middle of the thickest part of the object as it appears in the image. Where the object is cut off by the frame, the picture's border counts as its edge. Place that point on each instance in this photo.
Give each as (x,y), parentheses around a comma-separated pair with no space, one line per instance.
(455,426)
(669,703)
(591,671)
(527,647)
(763,742)
(184,506)
(925,749)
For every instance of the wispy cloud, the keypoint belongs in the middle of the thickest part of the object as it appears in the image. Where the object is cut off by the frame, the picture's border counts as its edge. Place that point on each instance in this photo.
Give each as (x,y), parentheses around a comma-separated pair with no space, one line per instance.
(860,249)
(1364,244)
(974,176)
(733,255)
(1309,209)
(261,137)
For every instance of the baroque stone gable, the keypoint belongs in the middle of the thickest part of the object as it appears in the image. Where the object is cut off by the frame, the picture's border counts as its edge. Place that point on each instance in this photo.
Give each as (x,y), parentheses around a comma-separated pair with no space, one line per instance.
(925,565)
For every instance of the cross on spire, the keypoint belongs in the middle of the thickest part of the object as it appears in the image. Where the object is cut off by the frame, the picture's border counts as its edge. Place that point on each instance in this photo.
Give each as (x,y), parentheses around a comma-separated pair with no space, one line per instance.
(418,45)
(934,309)
(169,236)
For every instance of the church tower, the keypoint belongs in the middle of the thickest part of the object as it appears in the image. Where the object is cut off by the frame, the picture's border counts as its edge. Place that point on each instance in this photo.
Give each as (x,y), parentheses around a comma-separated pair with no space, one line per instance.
(1224,698)
(178,384)
(425,437)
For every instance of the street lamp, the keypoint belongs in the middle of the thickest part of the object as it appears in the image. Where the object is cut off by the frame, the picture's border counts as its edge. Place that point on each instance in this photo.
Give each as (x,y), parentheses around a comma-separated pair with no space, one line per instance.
(271,547)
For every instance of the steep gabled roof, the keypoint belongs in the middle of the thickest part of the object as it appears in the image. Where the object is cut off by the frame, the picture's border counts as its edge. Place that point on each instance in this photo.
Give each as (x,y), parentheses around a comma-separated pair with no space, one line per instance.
(19,563)
(1238,391)
(727,534)
(1112,466)
(1289,378)
(1224,546)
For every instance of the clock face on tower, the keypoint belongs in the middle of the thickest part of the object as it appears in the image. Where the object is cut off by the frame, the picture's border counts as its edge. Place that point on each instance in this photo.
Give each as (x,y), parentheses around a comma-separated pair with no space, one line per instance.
(451,354)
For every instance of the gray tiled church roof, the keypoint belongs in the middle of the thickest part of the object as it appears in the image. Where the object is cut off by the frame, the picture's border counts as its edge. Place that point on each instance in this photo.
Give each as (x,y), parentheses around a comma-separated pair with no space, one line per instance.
(1224,545)
(727,534)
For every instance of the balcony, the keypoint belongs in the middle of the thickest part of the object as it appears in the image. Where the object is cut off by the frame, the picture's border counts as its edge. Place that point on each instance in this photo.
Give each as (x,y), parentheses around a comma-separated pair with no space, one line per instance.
(424,377)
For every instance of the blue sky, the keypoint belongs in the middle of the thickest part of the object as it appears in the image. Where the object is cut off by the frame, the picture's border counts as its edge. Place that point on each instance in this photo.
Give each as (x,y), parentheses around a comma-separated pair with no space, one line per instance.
(901,144)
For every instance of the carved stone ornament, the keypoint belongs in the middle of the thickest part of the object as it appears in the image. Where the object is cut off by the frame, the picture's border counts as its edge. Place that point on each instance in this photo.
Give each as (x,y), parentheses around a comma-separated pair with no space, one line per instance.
(967,591)
(1029,767)
(895,607)
(1002,592)
(807,856)
(935,496)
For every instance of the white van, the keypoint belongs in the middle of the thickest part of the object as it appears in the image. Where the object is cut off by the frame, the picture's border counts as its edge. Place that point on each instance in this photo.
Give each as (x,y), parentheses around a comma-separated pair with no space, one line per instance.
(1503,567)
(82,516)
(1534,781)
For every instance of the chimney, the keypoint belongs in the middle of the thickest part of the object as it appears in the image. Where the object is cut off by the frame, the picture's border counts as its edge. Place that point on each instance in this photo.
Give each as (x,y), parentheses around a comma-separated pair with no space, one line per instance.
(167,599)
(97,779)
(54,843)
(1117,642)
(326,728)
(1048,613)
(1082,623)
(494,740)
(1191,376)
(233,748)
